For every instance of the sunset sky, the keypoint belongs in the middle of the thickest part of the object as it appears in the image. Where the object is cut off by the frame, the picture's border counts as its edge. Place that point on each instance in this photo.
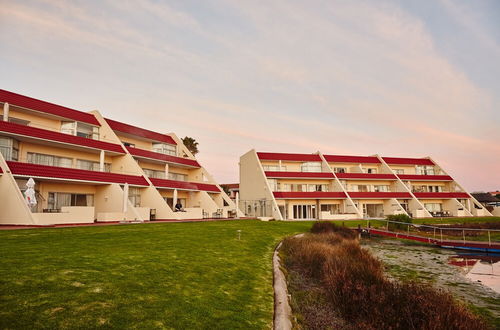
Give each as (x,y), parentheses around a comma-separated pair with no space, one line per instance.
(395,78)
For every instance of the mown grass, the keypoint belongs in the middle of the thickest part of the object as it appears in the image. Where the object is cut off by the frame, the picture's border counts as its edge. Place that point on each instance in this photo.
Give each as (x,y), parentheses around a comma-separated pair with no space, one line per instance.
(182,275)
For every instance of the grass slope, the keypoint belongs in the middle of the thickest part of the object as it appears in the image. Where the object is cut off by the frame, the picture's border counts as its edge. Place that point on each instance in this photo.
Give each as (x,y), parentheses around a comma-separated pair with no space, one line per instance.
(182,275)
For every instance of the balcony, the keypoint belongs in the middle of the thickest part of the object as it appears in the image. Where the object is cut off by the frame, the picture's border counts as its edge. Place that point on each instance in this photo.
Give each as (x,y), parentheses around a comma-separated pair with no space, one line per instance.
(440,195)
(29,133)
(151,155)
(365,176)
(420,177)
(309,195)
(299,175)
(20,169)
(184,185)
(378,195)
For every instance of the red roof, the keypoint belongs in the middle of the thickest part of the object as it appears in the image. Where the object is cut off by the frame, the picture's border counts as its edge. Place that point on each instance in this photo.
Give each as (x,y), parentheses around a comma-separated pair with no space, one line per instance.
(289,157)
(46,107)
(307,195)
(310,175)
(352,159)
(378,195)
(133,130)
(166,158)
(407,161)
(441,195)
(54,172)
(416,177)
(367,176)
(172,184)
(58,137)
(231,185)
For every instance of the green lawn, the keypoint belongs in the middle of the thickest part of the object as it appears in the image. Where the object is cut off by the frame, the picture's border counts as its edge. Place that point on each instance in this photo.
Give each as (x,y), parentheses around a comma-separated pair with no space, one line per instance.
(177,275)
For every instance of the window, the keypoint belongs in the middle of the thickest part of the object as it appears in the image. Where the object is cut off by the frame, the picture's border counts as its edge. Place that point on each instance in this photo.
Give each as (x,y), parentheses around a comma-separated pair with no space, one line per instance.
(273,168)
(433,207)
(166,149)
(398,171)
(435,188)
(91,166)
(9,148)
(425,170)
(273,183)
(42,159)
(170,201)
(177,176)
(370,170)
(381,188)
(154,173)
(57,200)
(318,187)
(311,167)
(128,144)
(134,196)
(330,208)
(80,129)
(340,170)
(19,121)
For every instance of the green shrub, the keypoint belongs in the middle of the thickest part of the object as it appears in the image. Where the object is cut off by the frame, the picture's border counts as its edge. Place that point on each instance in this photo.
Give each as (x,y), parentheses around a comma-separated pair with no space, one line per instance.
(398,218)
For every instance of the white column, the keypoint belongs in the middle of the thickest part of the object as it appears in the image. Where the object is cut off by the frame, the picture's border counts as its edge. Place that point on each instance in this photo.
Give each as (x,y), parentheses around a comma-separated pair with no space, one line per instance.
(166,171)
(101,161)
(125,198)
(237,202)
(279,165)
(5,111)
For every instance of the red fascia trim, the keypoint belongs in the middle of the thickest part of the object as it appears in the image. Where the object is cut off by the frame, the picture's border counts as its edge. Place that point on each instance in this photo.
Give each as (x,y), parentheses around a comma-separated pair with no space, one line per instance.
(172,184)
(133,130)
(46,107)
(423,195)
(58,137)
(384,195)
(307,195)
(352,159)
(313,175)
(416,177)
(231,185)
(367,176)
(289,157)
(407,161)
(166,158)
(45,171)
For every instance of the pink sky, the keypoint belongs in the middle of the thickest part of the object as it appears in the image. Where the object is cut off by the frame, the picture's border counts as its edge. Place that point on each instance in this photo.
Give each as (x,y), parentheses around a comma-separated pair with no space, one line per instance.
(373,77)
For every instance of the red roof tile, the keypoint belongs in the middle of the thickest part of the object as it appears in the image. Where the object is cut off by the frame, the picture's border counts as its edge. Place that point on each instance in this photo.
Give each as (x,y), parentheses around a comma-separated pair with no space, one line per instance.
(137,131)
(172,184)
(310,175)
(43,171)
(46,107)
(307,195)
(166,158)
(289,157)
(367,176)
(407,161)
(415,177)
(378,195)
(444,195)
(352,159)
(58,137)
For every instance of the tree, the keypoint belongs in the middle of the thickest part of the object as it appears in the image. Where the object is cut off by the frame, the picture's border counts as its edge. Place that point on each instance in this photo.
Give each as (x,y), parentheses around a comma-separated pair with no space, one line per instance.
(191,144)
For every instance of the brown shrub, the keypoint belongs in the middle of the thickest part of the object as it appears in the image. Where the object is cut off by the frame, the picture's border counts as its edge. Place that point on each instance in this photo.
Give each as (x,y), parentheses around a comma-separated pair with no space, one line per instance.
(351,283)
(322,227)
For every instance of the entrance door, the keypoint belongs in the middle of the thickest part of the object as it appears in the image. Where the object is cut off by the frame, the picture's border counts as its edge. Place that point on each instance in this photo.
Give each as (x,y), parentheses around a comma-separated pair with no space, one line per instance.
(302,212)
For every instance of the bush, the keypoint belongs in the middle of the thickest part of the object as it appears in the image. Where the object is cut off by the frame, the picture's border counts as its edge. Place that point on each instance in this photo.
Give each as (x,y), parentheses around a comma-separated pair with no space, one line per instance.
(329,227)
(398,218)
(335,282)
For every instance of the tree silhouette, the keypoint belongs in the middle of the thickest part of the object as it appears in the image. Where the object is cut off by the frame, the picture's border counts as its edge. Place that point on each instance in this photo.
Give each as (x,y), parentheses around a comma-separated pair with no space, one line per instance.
(191,144)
